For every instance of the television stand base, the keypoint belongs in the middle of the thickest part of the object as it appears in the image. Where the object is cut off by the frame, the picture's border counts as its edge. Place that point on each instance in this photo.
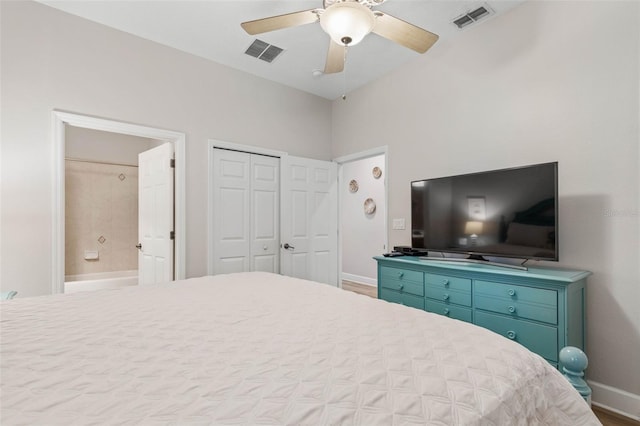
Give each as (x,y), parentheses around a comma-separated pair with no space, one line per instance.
(475,259)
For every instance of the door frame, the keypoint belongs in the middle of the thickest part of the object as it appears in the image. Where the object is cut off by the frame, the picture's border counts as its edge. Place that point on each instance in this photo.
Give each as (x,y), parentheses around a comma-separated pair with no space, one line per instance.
(59,119)
(381,150)
(211,144)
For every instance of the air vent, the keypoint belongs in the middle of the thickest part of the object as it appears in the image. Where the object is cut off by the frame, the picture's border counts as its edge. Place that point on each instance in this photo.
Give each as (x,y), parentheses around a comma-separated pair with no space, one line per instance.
(472,16)
(262,50)
(270,53)
(463,21)
(256,48)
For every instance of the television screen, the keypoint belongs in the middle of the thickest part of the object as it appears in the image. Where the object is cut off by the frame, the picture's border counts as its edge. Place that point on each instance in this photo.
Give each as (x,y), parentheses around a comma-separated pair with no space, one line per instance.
(501,213)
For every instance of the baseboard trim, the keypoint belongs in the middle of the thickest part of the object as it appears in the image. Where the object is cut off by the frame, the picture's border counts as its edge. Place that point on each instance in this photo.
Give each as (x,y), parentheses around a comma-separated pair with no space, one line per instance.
(616,400)
(373,282)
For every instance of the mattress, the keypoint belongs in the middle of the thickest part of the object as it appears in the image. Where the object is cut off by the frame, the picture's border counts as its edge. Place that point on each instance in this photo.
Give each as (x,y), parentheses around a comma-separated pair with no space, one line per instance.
(263,349)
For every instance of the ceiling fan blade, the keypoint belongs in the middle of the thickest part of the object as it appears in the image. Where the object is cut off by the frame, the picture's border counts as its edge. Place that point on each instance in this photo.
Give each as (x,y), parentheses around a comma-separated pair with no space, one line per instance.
(273,23)
(404,33)
(335,58)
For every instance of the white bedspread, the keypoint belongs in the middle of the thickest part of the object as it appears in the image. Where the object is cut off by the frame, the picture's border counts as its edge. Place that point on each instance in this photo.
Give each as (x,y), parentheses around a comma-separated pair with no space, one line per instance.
(257,348)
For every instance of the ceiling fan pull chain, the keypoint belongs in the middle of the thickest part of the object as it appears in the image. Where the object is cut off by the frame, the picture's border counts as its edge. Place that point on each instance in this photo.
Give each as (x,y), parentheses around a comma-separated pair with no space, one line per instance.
(344,75)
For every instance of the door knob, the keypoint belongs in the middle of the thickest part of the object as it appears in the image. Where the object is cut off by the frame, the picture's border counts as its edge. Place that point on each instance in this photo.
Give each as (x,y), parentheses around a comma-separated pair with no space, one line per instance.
(139,246)
(288,247)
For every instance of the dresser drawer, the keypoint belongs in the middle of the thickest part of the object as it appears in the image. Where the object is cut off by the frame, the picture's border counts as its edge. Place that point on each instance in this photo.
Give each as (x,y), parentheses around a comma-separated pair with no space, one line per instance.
(444,282)
(450,296)
(448,289)
(538,338)
(517,301)
(402,298)
(451,311)
(402,280)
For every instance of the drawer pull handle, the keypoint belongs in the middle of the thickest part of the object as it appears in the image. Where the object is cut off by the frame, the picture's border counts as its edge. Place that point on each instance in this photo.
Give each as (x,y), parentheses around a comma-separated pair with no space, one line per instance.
(445,297)
(400,275)
(512,309)
(512,292)
(445,283)
(446,311)
(401,286)
(511,335)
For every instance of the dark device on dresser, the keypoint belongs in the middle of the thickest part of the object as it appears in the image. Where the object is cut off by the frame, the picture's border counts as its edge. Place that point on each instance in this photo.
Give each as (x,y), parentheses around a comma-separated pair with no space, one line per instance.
(393,254)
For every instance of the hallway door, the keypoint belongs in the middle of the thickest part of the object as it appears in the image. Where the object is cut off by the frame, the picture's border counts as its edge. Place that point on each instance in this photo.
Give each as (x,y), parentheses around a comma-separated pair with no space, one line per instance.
(309,237)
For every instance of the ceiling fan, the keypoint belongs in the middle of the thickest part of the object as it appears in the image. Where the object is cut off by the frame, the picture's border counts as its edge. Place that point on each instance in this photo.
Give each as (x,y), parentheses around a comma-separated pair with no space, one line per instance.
(347,22)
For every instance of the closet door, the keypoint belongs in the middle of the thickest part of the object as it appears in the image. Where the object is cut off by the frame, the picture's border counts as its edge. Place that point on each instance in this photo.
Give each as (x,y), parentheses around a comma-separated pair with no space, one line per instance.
(246,204)
(265,217)
(232,211)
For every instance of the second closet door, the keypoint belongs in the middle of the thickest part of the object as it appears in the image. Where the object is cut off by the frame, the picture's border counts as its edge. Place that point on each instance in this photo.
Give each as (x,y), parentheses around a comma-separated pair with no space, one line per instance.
(246,212)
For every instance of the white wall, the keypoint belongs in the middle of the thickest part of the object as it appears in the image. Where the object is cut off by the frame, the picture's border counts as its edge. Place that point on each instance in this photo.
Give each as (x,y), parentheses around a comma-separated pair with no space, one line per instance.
(52,60)
(546,81)
(363,236)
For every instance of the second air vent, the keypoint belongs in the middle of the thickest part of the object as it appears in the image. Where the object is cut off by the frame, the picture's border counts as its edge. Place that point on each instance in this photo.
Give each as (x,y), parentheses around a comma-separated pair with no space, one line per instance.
(472,16)
(262,50)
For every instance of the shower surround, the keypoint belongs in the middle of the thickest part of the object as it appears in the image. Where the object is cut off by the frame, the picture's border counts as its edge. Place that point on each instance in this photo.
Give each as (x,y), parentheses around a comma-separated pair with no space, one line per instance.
(101,215)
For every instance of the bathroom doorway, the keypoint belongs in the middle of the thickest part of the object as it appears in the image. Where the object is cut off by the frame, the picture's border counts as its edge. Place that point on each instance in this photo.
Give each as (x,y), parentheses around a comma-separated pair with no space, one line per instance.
(101,157)
(101,208)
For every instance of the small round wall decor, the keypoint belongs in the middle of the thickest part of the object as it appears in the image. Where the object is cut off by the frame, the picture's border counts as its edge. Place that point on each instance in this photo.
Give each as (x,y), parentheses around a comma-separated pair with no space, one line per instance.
(369,206)
(353,185)
(377,172)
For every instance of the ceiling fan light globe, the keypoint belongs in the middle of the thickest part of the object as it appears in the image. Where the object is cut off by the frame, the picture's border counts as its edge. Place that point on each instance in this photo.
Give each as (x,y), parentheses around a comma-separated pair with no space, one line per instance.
(347,23)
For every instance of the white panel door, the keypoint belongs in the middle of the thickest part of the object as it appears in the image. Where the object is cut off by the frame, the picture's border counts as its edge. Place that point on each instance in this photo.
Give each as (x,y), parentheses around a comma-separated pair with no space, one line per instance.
(309,211)
(246,206)
(232,211)
(265,217)
(155,215)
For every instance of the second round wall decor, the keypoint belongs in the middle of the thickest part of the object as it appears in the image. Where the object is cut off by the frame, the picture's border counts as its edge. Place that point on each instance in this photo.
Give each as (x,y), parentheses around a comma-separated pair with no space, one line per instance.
(369,206)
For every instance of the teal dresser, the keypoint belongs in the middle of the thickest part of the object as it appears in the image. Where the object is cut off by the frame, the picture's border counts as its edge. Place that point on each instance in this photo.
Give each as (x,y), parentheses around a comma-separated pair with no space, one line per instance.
(542,308)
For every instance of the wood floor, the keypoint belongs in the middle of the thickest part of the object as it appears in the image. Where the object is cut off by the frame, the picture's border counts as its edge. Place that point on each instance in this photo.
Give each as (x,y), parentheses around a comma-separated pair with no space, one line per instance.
(367,290)
(607,417)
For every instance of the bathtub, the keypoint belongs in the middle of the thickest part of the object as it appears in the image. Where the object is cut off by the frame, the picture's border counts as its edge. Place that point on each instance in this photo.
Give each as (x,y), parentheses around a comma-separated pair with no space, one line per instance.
(100,281)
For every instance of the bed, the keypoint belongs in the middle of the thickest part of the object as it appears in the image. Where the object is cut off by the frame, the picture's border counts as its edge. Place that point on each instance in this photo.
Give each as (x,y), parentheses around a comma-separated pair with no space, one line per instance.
(259,348)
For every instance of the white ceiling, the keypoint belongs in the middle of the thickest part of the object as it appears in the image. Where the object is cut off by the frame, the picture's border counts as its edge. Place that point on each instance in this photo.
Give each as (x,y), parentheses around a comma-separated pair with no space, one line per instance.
(211,29)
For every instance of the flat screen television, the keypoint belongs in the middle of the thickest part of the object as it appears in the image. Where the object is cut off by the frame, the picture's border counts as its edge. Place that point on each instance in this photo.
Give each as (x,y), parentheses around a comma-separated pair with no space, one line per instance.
(499,213)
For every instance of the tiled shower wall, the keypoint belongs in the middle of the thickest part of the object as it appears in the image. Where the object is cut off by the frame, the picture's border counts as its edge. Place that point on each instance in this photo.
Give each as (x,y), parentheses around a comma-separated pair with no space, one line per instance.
(101,209)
